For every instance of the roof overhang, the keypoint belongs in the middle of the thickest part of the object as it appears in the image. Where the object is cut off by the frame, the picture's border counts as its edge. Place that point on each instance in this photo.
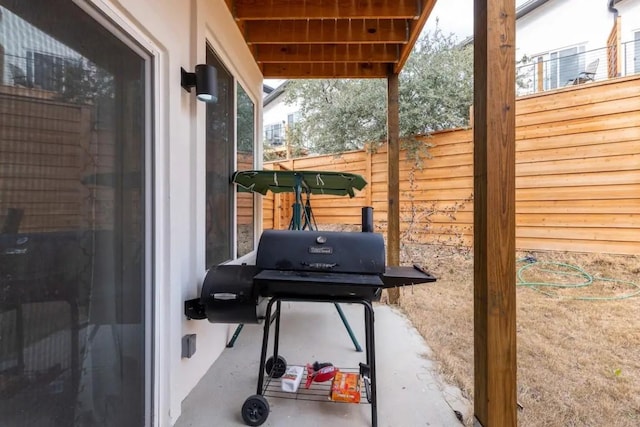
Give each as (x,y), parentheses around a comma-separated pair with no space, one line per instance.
(330,39)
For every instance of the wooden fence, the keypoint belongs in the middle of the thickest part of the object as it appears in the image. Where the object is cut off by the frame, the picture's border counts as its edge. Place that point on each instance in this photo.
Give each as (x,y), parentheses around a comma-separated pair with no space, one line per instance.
(577,177)
(42,148)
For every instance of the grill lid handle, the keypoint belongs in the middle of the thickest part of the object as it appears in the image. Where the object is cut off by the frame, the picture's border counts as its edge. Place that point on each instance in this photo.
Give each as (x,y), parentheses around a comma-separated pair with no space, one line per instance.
(225,296)
(320,265)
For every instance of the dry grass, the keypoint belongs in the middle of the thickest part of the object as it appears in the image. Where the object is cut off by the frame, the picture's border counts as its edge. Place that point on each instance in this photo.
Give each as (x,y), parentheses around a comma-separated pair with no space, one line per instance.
(578,361)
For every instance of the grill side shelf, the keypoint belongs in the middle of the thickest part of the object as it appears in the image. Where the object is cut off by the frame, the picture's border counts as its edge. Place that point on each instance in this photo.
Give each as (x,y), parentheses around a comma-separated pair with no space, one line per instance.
(405,276)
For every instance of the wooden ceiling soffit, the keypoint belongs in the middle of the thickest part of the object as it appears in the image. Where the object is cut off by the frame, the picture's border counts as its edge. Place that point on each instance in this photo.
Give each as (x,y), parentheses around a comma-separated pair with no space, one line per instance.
(414,31)
(326,53)
(327,31)
(330,38)
(325,9)
(344,70)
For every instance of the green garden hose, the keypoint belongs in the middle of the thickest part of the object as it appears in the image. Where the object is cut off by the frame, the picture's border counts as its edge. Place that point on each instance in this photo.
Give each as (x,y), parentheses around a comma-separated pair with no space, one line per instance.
(586,280)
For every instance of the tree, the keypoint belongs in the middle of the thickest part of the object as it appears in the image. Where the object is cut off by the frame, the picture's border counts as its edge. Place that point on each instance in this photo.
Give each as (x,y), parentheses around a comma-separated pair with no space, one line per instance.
(436,91)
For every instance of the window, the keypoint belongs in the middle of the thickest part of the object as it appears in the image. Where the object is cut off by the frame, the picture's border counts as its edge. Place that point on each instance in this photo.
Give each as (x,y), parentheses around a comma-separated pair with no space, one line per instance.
(49,72)
(245,216)
(220,123)
(293,118)
(561,66)
(72,221)
(274,134)
(230,135)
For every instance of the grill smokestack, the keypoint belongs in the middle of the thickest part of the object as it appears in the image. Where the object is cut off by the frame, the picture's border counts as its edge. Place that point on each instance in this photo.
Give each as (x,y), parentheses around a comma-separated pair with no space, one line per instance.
(367,219)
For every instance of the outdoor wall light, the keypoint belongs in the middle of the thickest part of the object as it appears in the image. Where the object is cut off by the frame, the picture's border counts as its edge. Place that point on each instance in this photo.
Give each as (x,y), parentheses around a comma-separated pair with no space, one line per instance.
(205,80)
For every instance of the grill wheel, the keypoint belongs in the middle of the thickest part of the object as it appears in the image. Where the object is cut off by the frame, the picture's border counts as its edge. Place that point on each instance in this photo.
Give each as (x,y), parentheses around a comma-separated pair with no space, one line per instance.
(275,369)
(255,410)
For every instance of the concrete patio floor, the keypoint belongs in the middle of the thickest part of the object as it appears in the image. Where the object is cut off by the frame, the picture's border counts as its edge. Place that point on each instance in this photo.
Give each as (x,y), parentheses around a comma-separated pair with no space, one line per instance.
(409,390)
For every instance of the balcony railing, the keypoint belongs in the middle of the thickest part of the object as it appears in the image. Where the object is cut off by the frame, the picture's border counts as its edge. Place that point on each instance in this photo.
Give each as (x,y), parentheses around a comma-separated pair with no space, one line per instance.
(553,71)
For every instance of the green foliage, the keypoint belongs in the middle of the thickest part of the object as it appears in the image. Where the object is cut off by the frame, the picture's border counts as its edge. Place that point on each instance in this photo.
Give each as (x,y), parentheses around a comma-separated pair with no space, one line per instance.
(436,85)
(86,83)
(340,115)
(435,92)
(245,119)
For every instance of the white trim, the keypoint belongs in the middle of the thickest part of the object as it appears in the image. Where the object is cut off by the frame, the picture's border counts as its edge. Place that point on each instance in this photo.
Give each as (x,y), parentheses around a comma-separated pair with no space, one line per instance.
(156,147)
(117,24)
(234,156)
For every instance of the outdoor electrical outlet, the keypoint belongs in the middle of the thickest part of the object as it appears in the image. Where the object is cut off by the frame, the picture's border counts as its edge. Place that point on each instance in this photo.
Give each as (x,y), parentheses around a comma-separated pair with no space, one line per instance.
(188,345)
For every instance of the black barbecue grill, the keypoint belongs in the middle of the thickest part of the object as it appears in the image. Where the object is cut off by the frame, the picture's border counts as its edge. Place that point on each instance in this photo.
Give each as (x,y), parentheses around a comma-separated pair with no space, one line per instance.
(320,266)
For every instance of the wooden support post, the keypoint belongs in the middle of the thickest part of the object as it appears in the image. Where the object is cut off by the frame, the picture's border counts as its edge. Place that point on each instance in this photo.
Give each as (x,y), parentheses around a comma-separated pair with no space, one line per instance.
(393,173)
(495,396)
(540,74)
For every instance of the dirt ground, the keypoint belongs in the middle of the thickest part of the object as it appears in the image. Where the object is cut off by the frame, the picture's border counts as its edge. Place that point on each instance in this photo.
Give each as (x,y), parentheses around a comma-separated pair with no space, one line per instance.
(578,344)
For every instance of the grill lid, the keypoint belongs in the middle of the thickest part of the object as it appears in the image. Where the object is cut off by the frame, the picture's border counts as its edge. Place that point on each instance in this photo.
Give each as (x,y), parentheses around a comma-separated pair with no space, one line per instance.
(321,251)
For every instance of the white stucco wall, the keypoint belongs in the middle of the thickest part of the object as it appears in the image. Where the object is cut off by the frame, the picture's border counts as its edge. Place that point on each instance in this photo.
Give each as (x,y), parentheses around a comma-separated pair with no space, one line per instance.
(277,111)
(176,34)
(629,11)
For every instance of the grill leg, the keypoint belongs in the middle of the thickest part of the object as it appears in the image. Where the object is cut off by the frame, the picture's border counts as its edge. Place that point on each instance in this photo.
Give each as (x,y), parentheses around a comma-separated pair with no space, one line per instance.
(346,324)
(276,335)
(235,335)
(371,358)
(265,343)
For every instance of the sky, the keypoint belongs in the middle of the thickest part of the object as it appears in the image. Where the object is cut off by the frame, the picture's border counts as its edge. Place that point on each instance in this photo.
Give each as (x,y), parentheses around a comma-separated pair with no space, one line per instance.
(455,16)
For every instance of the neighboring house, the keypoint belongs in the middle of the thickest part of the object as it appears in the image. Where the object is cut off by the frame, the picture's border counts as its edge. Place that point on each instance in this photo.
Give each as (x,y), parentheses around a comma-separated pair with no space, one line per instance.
(556,40)
(278,116)
(32,58)
(266,90)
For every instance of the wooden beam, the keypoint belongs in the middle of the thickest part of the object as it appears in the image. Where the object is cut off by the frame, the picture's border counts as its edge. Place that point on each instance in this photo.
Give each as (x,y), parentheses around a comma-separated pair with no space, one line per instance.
(325,9)
(414,31)
(326,53)
(311,31)
(495,395)
(343,70)
(393,171)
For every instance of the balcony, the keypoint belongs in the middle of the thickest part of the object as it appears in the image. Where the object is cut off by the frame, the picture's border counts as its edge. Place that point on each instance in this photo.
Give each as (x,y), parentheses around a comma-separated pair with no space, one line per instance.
(571,67)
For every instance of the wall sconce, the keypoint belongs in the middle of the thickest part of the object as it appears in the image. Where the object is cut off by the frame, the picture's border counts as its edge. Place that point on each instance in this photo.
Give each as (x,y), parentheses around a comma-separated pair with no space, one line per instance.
(205,80)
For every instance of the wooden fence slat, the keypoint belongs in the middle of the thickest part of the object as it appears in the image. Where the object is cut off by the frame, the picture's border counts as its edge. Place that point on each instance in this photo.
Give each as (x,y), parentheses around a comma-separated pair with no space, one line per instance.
(628,162)
(611,149)
(582,233)
(607,206)
(598,92)
(584,139)
(577,126)
(578,179)
(595,192)
(603,108)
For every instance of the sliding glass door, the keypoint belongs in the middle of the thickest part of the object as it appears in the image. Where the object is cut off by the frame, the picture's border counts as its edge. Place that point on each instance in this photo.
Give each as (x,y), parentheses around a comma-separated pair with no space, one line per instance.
(73,141)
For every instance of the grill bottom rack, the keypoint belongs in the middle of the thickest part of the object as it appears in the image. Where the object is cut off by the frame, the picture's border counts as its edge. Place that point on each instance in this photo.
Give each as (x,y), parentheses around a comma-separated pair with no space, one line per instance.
(255,409)
(318,392)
